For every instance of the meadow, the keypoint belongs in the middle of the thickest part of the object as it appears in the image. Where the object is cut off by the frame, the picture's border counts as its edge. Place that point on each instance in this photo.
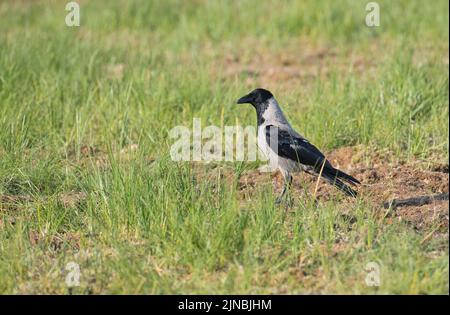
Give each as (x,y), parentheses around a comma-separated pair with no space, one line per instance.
(85,168)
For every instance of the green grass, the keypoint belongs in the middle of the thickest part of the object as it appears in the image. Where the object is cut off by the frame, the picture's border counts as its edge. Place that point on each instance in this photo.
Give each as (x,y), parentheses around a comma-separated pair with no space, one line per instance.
(136,69)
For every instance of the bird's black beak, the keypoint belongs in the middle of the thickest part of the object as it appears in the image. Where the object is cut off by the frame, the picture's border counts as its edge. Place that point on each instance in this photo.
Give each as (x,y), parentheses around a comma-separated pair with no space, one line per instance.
(245,99)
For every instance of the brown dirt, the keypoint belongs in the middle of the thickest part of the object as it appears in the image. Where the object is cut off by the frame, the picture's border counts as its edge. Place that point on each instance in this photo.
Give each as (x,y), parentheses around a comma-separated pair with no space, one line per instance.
(88,156)
(57,241)
(70,199)
(12,202)
(294,67)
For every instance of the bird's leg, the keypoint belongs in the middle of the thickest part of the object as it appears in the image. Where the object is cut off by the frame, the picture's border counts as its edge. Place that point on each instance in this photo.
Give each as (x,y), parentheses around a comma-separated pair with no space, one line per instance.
(289,196)
(287,178)
(280,197)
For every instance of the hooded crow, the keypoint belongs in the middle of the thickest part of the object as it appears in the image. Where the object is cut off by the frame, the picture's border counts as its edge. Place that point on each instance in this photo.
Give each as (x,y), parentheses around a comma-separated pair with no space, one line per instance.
(286,149)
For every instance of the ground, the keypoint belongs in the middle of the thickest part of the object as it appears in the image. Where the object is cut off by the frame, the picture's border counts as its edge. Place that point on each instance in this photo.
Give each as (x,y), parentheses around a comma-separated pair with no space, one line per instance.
(86,175)
(382,180)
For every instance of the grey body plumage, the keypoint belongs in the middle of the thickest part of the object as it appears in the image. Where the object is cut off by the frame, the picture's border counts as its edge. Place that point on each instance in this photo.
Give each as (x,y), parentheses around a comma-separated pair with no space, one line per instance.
(286,149)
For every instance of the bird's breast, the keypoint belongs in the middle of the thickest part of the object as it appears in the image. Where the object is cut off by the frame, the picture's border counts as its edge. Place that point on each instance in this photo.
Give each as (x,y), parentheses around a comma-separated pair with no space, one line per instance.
(262,143)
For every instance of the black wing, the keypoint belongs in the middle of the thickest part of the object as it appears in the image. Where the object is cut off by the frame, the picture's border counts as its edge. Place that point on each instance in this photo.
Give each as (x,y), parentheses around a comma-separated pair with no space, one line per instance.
(300,150)
(294,148)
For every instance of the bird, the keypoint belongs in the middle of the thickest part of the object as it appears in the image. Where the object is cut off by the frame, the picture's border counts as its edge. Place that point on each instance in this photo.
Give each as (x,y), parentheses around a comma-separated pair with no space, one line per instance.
(289,151)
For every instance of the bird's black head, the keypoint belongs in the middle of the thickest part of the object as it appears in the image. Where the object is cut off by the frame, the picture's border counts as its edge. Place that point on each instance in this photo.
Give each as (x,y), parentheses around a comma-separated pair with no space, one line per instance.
(256,97)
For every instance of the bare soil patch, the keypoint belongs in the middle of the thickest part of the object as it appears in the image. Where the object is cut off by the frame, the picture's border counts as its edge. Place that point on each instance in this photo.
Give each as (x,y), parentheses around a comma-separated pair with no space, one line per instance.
(56,241)
(11,203)
(295,66)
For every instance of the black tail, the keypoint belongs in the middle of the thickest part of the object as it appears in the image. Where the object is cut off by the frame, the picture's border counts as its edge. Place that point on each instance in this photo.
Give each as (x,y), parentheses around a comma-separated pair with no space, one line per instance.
(346,177)
(333,176)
